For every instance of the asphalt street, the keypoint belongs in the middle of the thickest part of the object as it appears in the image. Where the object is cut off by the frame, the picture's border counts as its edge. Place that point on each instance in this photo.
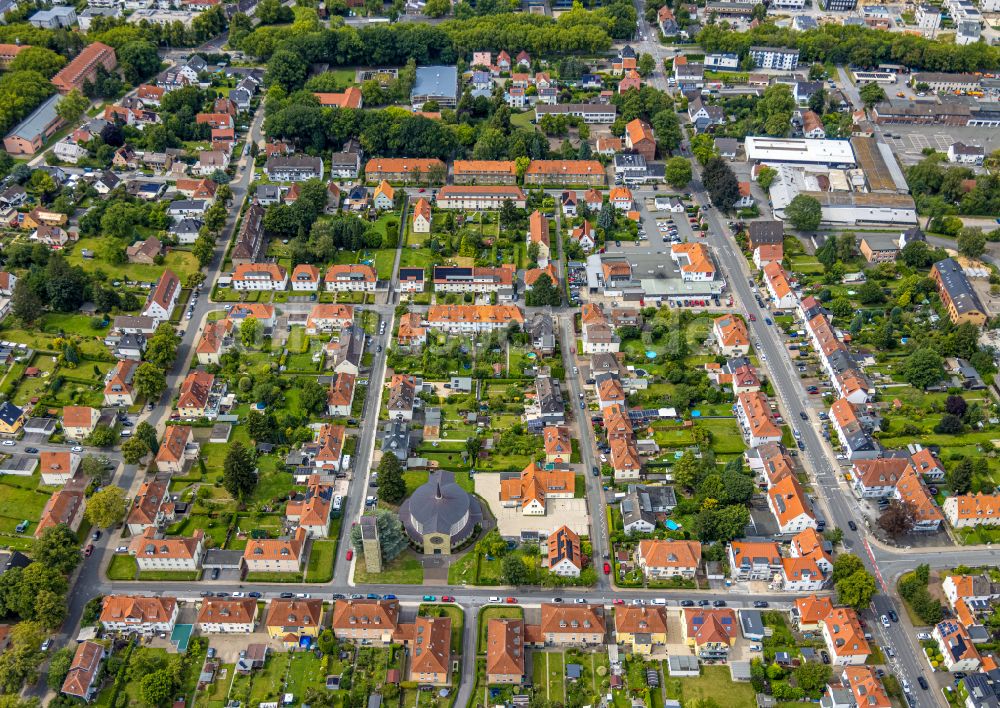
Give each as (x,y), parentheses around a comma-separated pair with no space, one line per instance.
(835,500)
(88,580)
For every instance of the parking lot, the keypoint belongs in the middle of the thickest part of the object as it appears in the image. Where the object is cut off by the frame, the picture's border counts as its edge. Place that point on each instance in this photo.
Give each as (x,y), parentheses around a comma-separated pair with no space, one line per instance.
(909,141)
(511,522)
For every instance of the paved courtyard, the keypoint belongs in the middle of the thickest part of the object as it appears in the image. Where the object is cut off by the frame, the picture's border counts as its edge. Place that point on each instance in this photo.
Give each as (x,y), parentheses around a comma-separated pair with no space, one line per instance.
(511,522)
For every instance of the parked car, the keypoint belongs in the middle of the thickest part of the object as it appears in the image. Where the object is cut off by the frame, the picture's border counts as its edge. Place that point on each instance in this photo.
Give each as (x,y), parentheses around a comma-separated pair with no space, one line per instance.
(719,603)
(511,600)
(852,526)
(893,616)
(687,603)
(607,569)
(447,598)
(923,682)
(88,550)
(824,657)
(760,603)
(350,554)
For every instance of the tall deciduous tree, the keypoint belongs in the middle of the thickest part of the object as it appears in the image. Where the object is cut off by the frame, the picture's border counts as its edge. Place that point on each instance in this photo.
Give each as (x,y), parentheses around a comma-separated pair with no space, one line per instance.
(133,450)
(721,183)
(678,172)
(57,548)
(898,519)
(804,212)
(106,507)
(149,380)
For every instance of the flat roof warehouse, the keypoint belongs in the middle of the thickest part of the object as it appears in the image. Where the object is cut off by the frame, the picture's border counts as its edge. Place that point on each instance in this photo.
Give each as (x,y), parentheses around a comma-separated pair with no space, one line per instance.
(791,150)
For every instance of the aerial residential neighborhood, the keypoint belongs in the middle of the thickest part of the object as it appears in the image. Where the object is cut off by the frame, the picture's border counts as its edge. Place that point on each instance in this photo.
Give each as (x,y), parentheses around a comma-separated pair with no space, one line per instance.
(436,354)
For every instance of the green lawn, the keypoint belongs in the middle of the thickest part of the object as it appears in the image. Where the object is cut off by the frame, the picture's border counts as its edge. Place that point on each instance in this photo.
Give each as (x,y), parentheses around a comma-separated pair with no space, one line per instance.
(321,557)
(714,684)
(51,326)
(457,621)
(169,575)
(214,527)
(122,567)
(183,263)
(523,120)
(549,675)
(273,578)
(495,612)
(418,478)
(20,500)
(405,570)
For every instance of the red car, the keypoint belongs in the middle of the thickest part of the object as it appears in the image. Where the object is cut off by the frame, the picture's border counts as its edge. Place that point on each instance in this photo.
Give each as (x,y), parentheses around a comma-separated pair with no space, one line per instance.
(447,598)
(619,601)
(511,600)
(88,550)
(607,569)
(350,553)
(753,318)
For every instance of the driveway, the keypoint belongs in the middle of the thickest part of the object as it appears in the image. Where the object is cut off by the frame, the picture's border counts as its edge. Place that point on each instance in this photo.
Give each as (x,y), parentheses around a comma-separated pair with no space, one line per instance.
(511,522)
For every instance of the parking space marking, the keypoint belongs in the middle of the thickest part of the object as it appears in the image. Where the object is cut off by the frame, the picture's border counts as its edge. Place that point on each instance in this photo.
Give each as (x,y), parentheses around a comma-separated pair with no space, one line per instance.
(943,141)
(919,141)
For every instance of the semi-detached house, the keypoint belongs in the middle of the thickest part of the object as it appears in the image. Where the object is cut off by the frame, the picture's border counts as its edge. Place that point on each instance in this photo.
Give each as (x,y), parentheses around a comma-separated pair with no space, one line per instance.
(404,170)
(329,318)
(473,279)
(355,277)
(664,559)
(569,625)
(293,168)
(480,197)
(641,628)
(276,555)
(155,552)
(588,112)
(844,637)
(970,510)
(460,319)
(754,560)
(754,413)
(152,507)
(138,614)
(565,172)
(289,620)
(260,276)
(219,615)
(484,172)
(778,286)
(83,671)
(852,434)
(162,299)
(731,336)
(505,651)
(791,508)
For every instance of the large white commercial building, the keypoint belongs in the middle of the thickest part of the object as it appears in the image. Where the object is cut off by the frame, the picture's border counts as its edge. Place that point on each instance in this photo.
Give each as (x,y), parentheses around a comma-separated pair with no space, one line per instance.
(799,151)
